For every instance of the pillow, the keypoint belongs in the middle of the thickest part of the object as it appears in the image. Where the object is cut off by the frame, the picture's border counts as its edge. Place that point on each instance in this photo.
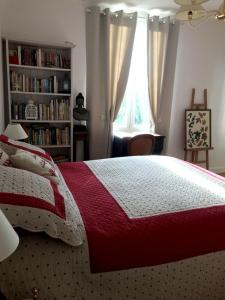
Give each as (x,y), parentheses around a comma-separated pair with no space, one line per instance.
(4,159)
(11,146)
(34,163)
(34,203)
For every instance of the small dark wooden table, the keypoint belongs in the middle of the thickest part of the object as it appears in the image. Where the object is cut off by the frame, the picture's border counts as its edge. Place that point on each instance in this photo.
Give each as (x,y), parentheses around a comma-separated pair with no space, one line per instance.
(80,134)
(119,147)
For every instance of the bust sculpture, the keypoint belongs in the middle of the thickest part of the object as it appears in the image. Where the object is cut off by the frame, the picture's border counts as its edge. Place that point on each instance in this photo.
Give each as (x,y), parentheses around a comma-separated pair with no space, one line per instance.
(80,113)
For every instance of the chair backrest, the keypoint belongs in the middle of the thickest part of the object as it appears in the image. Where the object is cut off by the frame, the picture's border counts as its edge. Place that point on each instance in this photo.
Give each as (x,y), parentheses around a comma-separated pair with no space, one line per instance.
(142,144)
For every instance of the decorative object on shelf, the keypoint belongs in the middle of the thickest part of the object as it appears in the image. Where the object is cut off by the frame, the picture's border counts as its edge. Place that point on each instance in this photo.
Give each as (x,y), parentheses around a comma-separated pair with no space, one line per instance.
(66,84)
(15,132)
(31,111)
(80,113)
(9,241)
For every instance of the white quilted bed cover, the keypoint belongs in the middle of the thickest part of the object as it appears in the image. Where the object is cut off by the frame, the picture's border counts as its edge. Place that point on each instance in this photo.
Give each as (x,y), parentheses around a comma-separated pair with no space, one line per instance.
(63,272)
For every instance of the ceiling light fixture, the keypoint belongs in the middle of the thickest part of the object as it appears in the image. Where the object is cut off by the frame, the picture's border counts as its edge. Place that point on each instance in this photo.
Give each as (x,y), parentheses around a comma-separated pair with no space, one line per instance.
(221,13)
(191,10)
(189,2)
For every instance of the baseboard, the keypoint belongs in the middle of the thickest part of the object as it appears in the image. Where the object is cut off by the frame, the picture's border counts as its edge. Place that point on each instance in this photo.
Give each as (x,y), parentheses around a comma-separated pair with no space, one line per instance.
(218,170)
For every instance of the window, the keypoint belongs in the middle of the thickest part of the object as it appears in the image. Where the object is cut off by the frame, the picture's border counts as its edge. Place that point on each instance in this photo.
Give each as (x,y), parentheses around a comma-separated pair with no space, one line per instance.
(134,114)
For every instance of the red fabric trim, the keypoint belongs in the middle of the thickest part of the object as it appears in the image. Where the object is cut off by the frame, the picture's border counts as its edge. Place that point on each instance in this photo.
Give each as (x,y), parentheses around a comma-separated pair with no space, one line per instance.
(117,242)
(24,200)
(5,139)
(206,171)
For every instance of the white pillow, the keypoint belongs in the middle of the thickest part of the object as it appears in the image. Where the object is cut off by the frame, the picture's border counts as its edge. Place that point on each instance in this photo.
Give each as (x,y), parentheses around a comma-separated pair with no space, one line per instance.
(34,163)
(32,202)
(10,147)
(4,159)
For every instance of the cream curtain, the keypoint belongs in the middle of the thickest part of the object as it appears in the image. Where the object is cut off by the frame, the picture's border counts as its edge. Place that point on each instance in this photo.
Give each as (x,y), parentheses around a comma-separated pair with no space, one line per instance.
(158,32)
(109,40)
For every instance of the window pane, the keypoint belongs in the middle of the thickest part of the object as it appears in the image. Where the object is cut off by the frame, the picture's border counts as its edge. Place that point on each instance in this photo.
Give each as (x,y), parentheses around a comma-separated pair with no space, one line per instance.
(121,120)
(134,114)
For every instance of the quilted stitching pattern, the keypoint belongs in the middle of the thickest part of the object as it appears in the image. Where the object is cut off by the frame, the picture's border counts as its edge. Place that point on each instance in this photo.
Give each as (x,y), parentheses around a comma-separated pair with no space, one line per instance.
(148,186)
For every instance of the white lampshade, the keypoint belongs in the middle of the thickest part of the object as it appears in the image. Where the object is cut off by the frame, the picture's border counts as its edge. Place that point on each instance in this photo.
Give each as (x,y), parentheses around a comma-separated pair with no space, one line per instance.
(9,239)
(15,132)
(197,12)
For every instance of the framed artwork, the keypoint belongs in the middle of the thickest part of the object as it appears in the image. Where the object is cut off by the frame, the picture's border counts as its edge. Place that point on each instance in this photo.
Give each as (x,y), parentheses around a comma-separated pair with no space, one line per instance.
(197,129)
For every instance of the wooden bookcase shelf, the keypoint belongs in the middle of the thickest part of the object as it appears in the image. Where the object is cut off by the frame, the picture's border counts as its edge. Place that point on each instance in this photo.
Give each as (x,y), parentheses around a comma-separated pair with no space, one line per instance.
(39,68)
(53,146)
(38,72)
(41,121)
(41,94)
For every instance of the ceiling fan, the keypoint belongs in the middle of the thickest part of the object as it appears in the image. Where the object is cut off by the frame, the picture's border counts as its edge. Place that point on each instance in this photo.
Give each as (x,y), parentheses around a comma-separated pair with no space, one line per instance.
(191,10)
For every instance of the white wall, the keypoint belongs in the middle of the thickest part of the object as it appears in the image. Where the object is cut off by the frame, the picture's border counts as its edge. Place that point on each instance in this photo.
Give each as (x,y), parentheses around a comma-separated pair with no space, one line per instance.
(2,119)
(50,21)
(200,64)
(200,61)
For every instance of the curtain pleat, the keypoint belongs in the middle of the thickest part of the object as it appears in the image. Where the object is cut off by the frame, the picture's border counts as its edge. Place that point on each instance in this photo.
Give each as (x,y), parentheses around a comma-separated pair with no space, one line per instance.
(158,33)
(109,40)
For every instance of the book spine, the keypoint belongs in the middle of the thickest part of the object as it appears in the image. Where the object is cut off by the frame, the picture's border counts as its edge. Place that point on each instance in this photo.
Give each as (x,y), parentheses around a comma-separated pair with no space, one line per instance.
(51,110)
(19,55)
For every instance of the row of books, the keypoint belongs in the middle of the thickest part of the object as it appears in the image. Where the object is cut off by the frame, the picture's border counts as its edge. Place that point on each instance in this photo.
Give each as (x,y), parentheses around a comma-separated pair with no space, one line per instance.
(57,109)
(39,57)
(48,136)
(22,83)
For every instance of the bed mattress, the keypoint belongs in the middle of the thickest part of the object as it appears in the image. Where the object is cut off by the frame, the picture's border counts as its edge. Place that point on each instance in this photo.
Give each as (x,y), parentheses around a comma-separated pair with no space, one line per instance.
(61,271)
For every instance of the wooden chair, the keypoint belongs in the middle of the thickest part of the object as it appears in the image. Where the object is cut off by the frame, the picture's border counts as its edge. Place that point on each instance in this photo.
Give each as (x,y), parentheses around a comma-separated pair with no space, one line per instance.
(142,144)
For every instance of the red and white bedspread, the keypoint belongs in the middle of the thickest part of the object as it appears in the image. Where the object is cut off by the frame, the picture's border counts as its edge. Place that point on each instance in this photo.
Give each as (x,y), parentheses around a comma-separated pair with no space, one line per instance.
(144,211)
(178,216)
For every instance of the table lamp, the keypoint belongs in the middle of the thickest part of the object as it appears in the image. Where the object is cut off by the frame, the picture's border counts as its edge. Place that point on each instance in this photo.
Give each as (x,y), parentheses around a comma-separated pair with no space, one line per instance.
(15,132)
(9,240)
(8,237)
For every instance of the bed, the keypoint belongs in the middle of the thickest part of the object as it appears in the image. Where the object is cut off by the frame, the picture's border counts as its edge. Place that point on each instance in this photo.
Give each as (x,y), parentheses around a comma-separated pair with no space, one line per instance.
(148,227)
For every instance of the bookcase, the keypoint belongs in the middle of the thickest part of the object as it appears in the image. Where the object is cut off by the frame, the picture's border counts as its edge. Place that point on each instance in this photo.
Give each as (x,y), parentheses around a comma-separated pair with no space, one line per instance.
(40,75)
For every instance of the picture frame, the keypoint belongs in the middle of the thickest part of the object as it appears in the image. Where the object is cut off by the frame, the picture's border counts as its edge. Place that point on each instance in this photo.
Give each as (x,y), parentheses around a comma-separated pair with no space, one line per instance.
(197,129)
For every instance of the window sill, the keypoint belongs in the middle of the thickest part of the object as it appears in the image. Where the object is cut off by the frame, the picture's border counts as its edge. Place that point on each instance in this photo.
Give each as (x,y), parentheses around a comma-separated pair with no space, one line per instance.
(123,134)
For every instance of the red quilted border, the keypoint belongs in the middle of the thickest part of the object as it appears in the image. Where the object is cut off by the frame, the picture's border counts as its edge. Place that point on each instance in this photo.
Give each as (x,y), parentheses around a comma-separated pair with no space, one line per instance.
(5,139)
(24,200)
(117,242)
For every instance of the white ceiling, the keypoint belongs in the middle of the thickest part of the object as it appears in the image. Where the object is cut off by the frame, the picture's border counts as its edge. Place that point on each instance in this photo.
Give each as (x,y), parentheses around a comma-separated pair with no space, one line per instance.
(164,7)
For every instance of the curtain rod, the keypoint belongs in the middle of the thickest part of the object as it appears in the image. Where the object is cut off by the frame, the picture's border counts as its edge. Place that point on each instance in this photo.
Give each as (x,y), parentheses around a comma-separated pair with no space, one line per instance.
(172,21)
(89,10)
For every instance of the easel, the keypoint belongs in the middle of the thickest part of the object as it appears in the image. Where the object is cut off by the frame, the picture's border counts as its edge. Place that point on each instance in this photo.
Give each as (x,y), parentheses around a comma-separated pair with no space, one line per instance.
(194,152)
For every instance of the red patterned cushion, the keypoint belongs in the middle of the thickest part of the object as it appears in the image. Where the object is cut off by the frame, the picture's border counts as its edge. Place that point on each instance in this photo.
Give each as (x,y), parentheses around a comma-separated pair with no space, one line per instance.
(4,159)
(11,146)
(34,163)
(34,203)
